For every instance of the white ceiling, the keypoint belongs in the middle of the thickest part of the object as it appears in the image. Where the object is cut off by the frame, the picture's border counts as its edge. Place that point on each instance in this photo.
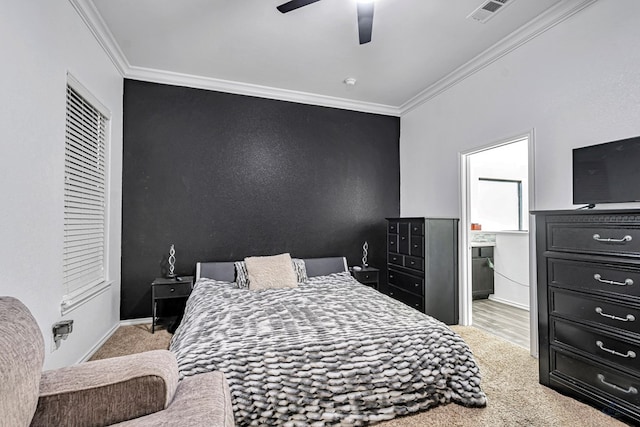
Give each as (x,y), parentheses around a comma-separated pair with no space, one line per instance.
(418,46)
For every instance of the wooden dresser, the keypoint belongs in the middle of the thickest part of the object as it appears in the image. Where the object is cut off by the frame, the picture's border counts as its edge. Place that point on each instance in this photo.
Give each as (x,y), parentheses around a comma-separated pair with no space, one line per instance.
(589,306)
(422,265)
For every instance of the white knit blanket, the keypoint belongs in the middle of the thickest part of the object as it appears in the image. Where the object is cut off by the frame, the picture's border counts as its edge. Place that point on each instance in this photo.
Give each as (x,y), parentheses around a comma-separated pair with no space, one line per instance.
(329,352)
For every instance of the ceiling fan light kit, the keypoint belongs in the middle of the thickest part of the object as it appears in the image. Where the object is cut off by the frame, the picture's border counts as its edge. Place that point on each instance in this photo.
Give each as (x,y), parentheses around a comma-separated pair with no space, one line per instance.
(365,15)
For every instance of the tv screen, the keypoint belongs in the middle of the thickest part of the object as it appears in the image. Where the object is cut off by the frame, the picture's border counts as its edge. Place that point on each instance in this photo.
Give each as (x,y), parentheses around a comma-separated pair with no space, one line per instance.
(607,173)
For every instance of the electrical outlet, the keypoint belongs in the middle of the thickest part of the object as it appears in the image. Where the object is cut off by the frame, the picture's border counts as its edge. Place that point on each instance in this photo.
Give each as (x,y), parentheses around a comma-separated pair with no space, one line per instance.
(61,331)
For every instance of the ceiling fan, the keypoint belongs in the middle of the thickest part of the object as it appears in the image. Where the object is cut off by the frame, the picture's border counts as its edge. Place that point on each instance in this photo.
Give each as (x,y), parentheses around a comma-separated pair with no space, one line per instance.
(365,15)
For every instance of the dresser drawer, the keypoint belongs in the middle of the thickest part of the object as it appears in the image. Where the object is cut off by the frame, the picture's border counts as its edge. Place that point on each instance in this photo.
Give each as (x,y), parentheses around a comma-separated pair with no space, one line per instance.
(417,228)
(403,229)
(406,281)
(601,378)
(607,347)
(393,227)
(417,246)
(595,310)
(616,240)
(365,277)
(396,259)
(616,280)
(403,243)
(407,261)
(414,262)
(168,290)
(393,243)
(408,298)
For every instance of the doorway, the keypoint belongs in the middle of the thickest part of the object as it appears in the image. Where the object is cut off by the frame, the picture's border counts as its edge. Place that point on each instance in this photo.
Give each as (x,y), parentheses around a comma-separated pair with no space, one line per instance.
(497,268)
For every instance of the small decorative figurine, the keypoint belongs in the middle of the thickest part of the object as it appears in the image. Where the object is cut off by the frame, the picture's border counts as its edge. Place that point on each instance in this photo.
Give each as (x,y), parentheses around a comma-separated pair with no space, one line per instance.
(172,262)
(365,252)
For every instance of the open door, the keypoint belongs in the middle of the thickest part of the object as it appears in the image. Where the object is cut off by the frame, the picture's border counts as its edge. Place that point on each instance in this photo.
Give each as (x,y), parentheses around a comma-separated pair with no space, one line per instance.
(497,257)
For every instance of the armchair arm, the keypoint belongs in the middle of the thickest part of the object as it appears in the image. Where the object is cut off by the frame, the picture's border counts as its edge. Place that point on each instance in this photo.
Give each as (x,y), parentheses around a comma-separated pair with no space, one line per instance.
(107,391)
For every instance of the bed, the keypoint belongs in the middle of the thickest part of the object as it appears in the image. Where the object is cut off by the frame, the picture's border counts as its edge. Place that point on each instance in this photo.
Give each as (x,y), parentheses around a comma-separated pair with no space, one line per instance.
(328,352)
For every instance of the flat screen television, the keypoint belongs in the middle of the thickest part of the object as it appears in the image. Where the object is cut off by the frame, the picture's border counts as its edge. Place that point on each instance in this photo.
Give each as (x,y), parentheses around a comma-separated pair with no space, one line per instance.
(607,173)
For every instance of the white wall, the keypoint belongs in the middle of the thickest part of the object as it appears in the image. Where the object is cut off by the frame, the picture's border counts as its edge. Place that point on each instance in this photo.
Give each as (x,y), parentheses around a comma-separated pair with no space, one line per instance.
(40,41)
(505,162)
(511,260)
(576,84)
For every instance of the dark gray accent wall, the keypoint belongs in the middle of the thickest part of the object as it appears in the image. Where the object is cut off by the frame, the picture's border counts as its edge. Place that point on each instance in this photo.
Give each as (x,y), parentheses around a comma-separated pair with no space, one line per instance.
(225,176)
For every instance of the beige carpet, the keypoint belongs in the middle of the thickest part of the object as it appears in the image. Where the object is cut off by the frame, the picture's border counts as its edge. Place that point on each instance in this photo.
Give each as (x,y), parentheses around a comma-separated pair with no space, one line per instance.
(131,340)
(509,378)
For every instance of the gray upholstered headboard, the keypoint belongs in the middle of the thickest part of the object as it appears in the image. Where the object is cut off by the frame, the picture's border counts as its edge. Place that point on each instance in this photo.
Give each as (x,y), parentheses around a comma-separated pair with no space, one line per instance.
(315,267)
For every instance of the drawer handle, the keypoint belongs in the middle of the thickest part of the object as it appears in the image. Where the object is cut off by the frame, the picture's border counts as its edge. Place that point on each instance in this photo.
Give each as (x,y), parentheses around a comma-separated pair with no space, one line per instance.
(630,390)
(630,353)
(626,238)
(627,282)
(172,290)
(629,318)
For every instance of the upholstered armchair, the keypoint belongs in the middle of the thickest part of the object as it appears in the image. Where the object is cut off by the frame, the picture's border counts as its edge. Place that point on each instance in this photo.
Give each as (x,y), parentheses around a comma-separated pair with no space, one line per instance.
(137,390)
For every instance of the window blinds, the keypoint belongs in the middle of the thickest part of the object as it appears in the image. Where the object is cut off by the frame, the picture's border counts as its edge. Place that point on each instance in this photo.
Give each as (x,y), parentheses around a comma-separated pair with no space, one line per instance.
(84,196)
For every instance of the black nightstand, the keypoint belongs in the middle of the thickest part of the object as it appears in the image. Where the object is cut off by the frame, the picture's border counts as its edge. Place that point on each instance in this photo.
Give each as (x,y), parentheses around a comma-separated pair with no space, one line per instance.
(367,276)
(167,289)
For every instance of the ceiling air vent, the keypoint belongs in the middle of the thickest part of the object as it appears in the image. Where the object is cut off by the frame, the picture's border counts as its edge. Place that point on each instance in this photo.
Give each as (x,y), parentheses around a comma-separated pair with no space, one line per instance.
(488,9)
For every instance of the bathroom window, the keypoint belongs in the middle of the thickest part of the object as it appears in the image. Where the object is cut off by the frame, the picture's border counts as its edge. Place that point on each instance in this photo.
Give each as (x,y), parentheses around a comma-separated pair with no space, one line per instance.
(500,204)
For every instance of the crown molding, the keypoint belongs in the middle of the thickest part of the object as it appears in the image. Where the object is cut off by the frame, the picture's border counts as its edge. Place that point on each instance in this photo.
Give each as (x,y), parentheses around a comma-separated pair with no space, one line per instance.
(93,20)
(543,22)
(551,17)
(239,88)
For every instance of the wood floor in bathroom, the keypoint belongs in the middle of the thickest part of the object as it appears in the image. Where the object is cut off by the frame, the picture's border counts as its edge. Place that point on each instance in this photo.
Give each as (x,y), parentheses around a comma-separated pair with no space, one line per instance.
(503,320)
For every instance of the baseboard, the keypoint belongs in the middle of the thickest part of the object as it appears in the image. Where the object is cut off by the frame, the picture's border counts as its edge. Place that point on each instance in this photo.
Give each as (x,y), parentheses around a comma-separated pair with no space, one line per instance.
(99,344)
(141,321)
(128,322)
(507,302)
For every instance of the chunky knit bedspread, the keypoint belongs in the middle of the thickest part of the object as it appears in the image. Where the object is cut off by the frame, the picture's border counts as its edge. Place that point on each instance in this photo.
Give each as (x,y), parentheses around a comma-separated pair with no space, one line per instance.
(329,352)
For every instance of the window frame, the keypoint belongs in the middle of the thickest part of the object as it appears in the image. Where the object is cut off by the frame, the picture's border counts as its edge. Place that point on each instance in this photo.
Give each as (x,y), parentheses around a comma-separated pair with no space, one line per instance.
(519,191)
(75,296)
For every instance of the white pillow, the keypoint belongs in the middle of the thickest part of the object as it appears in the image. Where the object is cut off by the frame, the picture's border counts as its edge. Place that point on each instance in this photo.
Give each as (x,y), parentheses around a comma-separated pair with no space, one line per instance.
(271,272)
(242,277)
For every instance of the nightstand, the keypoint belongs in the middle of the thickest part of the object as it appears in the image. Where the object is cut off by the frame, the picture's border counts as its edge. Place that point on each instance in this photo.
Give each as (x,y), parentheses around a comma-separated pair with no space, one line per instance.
(367,276)
(168,289)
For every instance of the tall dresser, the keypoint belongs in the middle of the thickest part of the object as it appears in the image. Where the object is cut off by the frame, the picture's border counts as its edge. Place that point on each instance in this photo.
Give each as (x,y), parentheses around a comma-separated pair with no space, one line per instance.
(422,265)
(589,306)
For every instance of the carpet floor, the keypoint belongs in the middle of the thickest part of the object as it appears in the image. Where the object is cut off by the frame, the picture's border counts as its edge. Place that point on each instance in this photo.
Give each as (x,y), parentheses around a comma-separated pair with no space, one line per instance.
(509,378)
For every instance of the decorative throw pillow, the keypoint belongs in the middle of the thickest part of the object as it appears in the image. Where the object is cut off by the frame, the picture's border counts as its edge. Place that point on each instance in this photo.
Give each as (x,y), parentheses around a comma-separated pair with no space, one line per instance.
(242,277)
(301,270)
(271,272)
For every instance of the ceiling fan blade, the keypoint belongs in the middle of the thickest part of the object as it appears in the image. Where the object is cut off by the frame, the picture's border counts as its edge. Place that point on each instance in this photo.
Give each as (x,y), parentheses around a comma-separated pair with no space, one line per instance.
(365,21)
(294,4)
